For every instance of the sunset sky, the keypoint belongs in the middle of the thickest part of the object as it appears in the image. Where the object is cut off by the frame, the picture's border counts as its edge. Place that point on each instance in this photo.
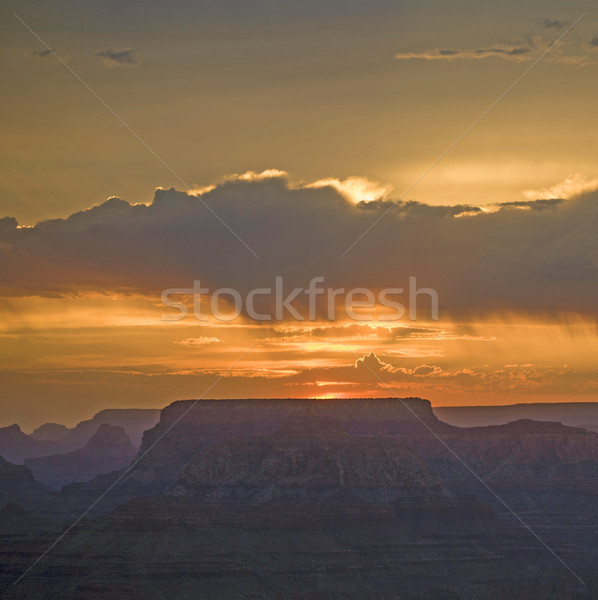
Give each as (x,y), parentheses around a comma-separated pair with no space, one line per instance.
(147,145)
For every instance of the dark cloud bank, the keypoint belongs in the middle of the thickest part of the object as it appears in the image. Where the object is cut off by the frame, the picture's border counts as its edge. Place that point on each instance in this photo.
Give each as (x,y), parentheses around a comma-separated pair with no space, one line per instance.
(528,255)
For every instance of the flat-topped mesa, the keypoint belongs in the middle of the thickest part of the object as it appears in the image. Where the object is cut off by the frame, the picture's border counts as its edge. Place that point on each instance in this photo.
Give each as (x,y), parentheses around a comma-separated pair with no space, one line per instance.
(358,416)
(188,426)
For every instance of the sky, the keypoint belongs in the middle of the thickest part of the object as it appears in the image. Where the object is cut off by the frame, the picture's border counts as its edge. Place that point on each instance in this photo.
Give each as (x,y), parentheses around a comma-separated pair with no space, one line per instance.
(148,145)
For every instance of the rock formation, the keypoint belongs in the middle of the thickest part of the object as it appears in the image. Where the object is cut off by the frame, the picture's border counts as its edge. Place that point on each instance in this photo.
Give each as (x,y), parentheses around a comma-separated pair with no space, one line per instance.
(18,486)
(52,438)
(108,450)
(50,432)
(16,446)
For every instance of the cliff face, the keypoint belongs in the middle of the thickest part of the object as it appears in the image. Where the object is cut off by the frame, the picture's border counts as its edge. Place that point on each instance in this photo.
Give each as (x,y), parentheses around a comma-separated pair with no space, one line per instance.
(523,441)
(304,461)
(545,468)
(18,486)
(108,450)
(202,423)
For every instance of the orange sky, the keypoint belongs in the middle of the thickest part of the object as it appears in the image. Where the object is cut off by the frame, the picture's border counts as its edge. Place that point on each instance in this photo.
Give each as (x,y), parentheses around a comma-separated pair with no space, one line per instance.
(63,359)
(241,143)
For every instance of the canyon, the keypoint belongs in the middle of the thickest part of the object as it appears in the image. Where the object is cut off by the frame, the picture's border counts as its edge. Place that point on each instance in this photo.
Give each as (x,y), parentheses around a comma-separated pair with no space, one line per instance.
(302,498)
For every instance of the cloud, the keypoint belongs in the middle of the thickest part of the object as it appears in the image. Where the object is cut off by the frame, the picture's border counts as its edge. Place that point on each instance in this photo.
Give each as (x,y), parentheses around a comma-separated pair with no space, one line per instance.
(373,364)
(355,189)
(594,42)
(551,23)
(572,186)
(119,58)
(424,378)
(258,175)
(577,61)
(426,370)
(199,341)
(47,55)
(529,256)
(532,204)
(266,174)
(516,51)
(43,53)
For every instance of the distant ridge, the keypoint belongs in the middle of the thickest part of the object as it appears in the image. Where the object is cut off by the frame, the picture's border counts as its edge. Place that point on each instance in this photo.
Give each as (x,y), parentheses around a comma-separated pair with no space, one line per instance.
(109,449)
(574,414)
(53,438)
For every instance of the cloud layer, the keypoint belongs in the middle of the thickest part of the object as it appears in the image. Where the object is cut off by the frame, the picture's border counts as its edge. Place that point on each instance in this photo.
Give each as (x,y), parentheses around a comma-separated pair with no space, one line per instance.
(530,47)
(535,255)
(508,51)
